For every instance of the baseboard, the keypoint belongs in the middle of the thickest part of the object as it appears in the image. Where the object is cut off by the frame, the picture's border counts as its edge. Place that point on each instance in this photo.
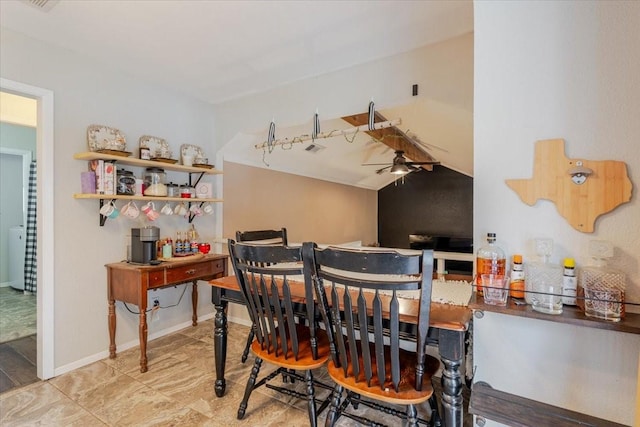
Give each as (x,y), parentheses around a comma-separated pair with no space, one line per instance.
(126,346)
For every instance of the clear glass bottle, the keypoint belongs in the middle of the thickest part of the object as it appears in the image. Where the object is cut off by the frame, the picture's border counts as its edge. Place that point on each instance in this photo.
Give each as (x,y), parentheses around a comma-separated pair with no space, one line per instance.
(603,286)
(543,281)
(490,260)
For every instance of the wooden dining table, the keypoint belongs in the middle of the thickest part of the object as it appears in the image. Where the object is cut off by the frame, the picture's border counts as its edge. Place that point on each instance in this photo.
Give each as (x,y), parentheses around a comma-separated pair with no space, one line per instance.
(448,327)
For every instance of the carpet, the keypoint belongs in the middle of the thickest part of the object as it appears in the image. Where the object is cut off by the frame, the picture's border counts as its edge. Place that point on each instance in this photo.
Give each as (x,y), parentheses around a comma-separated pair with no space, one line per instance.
(17,314)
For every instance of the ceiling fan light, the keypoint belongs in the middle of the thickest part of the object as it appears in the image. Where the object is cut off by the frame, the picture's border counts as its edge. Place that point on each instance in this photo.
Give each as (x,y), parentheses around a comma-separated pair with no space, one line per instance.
(399,169)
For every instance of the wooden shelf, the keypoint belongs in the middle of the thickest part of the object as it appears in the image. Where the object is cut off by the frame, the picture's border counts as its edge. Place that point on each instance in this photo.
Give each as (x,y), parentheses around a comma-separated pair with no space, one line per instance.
(149,198)
(570,315)
(132,161)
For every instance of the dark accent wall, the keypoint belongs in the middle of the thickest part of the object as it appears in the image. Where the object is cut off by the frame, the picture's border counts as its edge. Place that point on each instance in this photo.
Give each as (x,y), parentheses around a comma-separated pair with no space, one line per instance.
(438,203)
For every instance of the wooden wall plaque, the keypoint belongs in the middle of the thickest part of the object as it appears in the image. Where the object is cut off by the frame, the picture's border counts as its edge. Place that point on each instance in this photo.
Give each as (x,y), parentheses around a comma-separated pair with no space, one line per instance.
(603,189)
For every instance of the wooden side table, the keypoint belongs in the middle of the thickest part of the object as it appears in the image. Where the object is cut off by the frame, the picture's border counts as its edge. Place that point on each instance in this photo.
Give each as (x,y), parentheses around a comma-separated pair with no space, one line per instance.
(129,283)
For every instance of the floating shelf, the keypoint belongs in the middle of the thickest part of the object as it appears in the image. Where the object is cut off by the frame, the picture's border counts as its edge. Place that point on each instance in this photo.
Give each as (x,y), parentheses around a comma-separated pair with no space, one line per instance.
(132,161)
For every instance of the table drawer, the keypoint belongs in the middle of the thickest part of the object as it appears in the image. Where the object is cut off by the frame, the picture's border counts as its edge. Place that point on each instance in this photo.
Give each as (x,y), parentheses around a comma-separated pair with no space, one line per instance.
(194,271)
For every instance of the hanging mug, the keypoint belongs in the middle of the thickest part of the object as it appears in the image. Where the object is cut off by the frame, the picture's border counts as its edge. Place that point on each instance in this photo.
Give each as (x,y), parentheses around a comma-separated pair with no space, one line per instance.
(166,209)
(130,210)
(180,209)
(150,211)
(110,210)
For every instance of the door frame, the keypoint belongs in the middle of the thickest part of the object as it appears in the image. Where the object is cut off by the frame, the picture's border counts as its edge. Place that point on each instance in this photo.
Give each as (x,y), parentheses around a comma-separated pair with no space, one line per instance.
(45,219)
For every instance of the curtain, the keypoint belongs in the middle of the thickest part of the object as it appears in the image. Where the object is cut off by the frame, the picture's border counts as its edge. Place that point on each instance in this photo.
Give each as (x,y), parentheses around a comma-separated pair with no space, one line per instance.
(30,258)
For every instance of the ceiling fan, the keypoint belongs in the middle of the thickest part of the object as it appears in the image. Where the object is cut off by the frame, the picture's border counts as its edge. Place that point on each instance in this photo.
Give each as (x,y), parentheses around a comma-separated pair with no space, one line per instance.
(400,165)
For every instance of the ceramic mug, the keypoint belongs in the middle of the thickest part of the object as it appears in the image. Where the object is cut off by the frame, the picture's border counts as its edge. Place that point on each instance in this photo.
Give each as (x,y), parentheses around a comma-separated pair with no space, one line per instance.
(187,160)
(150,211)
(110,210)
(180,209)
(130,210)
(196,210)
(208,208)
(166,209)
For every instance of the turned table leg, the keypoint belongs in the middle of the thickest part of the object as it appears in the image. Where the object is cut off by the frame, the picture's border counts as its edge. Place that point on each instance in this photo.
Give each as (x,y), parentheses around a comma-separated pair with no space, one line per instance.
(112,329)
(451,349)
(143,339)
(194,304)
(220,345)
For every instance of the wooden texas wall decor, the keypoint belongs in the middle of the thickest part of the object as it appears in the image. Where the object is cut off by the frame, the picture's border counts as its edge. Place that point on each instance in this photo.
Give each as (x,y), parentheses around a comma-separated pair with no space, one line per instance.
(581,189)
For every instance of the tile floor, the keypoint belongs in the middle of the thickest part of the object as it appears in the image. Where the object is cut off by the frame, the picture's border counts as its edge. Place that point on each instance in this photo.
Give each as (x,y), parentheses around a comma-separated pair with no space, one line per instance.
(18,363)
(177,390)
(17,314)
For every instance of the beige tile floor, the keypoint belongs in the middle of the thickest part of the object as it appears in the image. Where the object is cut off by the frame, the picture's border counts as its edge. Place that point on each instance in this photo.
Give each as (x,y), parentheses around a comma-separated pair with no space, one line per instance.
(176,391)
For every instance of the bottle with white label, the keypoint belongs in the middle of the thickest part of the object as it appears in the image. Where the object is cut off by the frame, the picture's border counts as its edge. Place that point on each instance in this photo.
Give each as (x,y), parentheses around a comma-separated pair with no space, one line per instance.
(569,282)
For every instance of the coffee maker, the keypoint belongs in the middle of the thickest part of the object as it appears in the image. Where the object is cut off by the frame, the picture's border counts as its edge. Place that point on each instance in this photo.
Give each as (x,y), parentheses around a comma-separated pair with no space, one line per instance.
(143,244)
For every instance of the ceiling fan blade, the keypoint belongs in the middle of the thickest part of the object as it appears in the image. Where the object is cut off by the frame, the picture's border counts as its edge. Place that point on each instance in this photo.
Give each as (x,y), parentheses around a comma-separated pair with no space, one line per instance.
(376,164)
(379,171)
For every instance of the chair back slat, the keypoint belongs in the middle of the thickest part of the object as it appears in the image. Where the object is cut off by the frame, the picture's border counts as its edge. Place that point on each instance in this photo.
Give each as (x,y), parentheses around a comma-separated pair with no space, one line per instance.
(363,325)
(264,273)
(363,287)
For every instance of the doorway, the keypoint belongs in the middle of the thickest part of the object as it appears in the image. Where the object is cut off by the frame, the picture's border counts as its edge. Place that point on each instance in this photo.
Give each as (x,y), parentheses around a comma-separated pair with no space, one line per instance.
(44,221)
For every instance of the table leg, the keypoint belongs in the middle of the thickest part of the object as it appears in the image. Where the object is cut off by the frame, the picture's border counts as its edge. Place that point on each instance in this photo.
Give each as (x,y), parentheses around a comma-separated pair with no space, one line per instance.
(112,329)
(194,304)
(143,339)
(451,349)
(220,344)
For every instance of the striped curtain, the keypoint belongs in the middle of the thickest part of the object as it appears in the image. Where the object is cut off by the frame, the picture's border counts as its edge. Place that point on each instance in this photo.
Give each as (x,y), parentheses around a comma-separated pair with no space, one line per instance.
(30,258)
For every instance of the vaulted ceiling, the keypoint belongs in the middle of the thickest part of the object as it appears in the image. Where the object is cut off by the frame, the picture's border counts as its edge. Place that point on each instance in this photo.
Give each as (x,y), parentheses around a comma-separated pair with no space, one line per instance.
(221,50)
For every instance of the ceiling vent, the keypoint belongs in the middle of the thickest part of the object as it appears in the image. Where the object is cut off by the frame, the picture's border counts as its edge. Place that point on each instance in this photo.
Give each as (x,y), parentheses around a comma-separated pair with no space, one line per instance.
(314,148)
(43,5)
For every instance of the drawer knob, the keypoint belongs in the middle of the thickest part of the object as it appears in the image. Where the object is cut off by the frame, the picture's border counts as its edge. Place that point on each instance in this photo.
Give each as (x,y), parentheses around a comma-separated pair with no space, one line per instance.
(192,271)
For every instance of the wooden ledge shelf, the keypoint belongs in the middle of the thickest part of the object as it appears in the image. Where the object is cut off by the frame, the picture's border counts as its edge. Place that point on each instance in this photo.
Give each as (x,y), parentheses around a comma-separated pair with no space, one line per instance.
(132,161)
(148,198)
(514,410)
(570,315)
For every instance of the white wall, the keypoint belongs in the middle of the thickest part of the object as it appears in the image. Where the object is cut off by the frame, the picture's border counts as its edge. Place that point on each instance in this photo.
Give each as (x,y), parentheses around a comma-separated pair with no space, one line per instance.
(85,93)
(557,70)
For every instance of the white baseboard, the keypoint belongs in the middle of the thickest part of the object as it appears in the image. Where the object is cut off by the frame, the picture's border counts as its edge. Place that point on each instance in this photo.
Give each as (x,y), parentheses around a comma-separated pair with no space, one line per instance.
(125,346)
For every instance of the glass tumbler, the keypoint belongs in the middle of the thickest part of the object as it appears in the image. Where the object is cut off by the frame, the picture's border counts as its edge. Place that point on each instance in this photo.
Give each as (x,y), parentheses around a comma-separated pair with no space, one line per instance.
(543,285)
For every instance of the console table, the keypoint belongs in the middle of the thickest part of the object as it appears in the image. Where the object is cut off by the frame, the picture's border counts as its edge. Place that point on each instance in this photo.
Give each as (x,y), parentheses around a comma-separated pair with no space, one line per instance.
(130,282)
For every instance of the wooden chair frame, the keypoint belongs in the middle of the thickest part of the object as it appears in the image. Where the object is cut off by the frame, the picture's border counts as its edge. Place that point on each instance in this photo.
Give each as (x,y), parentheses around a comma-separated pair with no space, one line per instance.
(362,288)
(263,273)
(257,236)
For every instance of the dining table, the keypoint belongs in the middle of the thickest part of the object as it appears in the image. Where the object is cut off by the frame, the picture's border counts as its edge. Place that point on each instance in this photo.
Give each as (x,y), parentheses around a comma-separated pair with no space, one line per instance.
(448,324)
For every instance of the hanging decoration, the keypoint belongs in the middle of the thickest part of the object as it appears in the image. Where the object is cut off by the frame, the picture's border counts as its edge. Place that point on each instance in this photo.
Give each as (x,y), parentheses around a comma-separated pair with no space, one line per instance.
(272,135)
(316,126)
(372,116)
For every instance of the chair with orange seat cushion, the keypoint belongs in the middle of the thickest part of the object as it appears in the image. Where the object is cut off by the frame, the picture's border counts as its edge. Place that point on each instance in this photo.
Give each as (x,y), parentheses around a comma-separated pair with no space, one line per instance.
(265,275)
(359,297)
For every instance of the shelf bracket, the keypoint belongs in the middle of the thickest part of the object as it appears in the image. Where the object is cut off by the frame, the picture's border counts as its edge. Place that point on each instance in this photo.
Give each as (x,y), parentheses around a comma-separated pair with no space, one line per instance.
(201,174)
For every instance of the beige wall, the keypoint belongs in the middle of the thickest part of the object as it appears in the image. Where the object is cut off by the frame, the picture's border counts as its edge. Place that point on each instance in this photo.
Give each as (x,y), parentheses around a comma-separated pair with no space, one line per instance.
(310,209)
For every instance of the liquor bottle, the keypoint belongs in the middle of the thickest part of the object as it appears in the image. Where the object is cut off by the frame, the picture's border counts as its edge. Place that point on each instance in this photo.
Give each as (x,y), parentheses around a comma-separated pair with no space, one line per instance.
(569,282)
(490,260)
(517,278)
(179,247)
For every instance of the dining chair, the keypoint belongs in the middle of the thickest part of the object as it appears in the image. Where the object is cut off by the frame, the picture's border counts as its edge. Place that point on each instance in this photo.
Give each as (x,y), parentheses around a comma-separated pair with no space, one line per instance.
(263,237)
(359,294)
(260,237)
(266,275)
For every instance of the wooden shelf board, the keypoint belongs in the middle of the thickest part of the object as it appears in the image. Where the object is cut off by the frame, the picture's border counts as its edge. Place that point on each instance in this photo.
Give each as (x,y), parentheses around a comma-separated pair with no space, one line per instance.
(132,161)
(570,315)
(149,198)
